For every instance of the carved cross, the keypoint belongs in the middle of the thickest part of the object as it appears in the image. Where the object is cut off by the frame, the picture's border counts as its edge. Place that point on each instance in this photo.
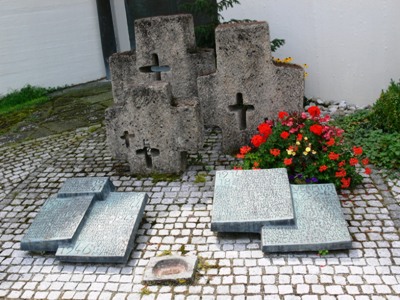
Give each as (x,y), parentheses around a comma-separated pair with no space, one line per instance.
(148,153)
(241,109)
(126,137)
(155,68)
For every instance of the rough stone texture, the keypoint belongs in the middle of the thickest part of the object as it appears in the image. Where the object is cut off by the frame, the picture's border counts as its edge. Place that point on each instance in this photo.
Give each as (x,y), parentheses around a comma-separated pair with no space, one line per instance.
(246,75)
(320,224)
(149,114)
(170,268)
(153,131)
(177,215)
(164,41)
(108,232)
(58,221)
(246,200)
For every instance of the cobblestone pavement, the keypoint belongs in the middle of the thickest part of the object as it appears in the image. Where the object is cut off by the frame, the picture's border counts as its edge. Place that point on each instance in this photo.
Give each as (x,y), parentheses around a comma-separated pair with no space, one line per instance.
(177,216)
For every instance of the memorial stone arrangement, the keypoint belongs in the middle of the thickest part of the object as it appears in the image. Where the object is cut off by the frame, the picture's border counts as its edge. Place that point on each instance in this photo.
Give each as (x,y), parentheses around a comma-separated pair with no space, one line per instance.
(87,222)
(167,90)
(289,217)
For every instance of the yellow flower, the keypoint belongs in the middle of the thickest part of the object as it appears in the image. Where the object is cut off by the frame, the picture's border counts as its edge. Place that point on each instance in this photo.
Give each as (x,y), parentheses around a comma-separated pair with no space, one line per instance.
(287,59)
(305,152)
(297,143)
(308,149)
(289,151)
(293,153)
(305,74)
(306,138)
(305,66)
(314,152)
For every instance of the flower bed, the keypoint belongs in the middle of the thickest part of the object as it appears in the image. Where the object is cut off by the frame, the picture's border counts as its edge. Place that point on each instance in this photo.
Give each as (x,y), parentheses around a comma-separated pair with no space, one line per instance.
(310,149)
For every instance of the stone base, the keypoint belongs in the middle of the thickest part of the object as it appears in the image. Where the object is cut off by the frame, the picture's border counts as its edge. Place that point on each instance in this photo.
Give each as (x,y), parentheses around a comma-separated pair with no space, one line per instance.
(320,224)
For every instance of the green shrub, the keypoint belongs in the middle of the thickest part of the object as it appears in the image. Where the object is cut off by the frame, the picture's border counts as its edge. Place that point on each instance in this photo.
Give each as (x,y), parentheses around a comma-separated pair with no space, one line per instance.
(28,95)
(386,111)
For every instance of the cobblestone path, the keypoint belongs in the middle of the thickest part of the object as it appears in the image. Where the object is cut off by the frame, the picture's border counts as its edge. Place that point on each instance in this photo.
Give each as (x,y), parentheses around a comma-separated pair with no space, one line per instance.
(178,217)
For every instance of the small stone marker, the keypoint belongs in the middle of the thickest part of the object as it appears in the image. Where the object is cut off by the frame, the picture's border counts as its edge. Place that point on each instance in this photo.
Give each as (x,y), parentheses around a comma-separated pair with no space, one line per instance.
(109,231)
(170,269)
(246,200)
(87,222)
(319,225)
(57,222)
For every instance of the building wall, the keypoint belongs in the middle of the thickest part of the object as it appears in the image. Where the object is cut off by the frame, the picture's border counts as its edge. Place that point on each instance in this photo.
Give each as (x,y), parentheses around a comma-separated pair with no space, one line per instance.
(49,43)
(352,47)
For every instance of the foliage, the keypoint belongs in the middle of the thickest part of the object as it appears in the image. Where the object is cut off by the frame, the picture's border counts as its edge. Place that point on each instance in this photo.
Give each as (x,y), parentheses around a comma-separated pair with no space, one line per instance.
(323,252)
(205,33)
(381,147)
(200,178)
(27,96)
(145,291)
(310,149)
(386,110)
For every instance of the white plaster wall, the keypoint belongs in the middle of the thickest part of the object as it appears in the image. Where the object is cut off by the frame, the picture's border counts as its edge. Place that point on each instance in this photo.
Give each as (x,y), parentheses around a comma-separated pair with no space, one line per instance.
(352,47)
(120,25)
(49,43)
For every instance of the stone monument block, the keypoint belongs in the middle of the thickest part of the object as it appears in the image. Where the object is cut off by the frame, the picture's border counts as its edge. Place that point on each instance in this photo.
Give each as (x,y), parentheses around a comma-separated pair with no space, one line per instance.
(319,223)
(99,187)
(165,51)
(246,200)
(247,86)
(152,130)
(57,222)
(108,232)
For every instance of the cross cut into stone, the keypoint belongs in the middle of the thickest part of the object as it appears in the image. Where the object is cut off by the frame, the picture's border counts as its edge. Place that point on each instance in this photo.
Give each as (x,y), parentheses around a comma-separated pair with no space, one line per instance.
(148,153)
(241,109)
(125,137)
(155,68)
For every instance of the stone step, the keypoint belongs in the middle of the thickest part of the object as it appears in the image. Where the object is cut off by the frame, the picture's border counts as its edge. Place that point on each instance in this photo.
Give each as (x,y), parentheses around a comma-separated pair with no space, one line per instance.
(320,224)
(100,187)
(246,200)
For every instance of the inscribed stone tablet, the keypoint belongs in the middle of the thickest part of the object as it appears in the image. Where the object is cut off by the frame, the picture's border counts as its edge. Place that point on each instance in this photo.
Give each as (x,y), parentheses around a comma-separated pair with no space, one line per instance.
(99,186)
(107,235)
(319,223)
(58,221)
(245,200)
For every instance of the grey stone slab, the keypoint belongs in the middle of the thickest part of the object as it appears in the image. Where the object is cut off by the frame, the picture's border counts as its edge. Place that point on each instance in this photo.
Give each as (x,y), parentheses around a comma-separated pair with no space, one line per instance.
(170,269)
(100,187)
(58,221)
(107,236)
(246,200)
(320,223)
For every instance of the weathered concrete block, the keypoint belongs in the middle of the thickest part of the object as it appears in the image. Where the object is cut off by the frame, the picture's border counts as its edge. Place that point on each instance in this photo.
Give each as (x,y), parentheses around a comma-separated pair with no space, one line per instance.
(320,224)
(247,86)
(246,200)
(99,187)
(153,130)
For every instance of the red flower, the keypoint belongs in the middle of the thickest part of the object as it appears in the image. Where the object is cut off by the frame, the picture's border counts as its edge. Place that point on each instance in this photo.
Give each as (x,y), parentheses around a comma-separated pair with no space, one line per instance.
(245,149)
(285,135)
(275,152)
(282,114)
(341,173)
(345,182)
(237,168)
(368,171)
(314,111)
(288,161)
(241,156)
(353,161)
(341,164)
(256,164)
(264,129)
(316,129)
(257,140)
(299,137)
(323,168)
(331,142)
(357,150)
(365,161)
(333,156)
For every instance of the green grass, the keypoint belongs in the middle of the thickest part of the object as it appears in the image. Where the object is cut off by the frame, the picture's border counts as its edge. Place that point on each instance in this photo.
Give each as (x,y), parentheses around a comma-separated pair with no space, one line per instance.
(26,97)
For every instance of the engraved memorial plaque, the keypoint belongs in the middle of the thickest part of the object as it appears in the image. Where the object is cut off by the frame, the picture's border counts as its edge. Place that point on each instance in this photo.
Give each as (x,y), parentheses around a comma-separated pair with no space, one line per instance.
(108,233)
(319,225)
(98,186)
(246,200)
(58,221)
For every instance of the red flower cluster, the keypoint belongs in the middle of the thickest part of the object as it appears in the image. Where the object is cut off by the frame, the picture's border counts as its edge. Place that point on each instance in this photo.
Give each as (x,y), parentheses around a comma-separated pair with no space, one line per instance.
(275,152)
(316,129)
(314,111)
(333,156)
(285,135)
